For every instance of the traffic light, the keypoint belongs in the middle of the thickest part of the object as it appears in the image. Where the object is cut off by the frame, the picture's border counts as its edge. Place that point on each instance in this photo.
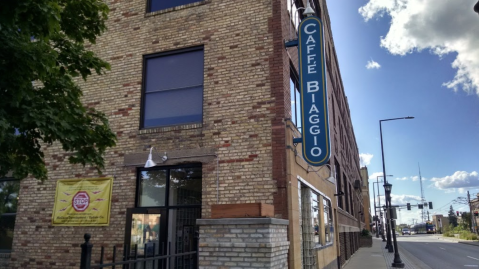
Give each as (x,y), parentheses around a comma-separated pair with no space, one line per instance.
(420,206)
(476,213)
(430,205)
(408,206)
(457,213)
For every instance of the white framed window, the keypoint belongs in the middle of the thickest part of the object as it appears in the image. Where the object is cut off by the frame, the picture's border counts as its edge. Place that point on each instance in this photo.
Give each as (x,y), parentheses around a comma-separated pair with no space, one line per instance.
(294,13)
(328,221)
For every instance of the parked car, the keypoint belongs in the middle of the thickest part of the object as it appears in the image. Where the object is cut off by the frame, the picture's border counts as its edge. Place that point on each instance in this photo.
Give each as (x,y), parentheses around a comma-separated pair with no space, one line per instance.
(406,231)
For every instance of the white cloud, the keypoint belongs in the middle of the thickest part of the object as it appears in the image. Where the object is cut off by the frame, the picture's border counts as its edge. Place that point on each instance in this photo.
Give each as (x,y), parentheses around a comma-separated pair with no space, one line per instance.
(412,178)
(365,159)
(441,26)
(373,65)
(375,175)
(404,199)
(458,181)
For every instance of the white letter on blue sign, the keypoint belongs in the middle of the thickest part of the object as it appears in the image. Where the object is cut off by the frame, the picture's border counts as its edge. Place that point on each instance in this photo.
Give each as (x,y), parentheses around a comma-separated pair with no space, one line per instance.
(315,130)
(314,118)
(315,148)
(313,86)
(306,29)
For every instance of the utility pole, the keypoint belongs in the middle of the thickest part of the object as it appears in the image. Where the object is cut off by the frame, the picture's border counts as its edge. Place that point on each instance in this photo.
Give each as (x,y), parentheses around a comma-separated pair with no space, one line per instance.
(423,199)
(470,210)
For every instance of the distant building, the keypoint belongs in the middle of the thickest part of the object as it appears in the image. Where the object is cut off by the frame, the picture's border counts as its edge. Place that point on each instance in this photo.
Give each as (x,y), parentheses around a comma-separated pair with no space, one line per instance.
(440,222)
(367,218)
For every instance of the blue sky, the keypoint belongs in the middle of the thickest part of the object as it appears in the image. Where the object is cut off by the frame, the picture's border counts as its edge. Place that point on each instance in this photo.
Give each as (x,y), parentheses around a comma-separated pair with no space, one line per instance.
(415,58)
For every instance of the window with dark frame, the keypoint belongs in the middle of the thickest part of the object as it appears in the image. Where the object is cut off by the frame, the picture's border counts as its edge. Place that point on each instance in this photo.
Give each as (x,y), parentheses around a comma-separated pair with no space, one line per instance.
(168,203)
(295,100)
(156,5)
(9,189)
(173,88)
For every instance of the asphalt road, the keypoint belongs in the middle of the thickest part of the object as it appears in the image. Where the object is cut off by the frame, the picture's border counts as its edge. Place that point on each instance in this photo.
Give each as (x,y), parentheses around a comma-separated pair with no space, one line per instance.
(429,252)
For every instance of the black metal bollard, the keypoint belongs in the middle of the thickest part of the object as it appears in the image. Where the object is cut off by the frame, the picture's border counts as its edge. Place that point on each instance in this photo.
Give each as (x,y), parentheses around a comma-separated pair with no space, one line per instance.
(86,248)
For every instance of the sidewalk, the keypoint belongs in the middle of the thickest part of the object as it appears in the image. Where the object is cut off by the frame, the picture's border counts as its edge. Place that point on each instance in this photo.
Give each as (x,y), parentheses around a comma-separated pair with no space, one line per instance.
(368,257)
(377,257)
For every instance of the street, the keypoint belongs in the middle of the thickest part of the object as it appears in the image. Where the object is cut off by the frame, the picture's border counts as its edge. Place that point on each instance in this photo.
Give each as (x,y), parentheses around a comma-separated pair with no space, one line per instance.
(427,251)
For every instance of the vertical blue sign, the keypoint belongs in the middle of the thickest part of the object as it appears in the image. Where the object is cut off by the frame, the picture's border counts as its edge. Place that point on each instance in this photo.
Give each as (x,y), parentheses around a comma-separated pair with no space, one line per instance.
(314,97)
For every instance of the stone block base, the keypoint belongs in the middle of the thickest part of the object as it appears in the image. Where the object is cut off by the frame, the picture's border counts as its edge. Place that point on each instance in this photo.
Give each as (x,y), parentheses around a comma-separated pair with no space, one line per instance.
(243,243)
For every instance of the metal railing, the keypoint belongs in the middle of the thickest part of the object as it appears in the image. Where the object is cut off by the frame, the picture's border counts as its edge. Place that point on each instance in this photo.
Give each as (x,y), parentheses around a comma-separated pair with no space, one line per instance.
(131,260)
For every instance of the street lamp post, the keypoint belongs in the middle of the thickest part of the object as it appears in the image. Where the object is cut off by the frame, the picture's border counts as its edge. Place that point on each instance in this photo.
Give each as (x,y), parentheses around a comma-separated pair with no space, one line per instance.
(375,211)
(397,259)
(375,208)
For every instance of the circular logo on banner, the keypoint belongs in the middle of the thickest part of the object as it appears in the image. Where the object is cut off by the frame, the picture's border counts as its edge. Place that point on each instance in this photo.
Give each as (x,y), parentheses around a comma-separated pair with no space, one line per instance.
(81,201)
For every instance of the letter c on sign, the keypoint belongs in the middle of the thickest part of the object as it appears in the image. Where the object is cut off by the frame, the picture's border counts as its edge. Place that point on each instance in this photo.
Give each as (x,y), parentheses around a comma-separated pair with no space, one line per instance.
(306,29)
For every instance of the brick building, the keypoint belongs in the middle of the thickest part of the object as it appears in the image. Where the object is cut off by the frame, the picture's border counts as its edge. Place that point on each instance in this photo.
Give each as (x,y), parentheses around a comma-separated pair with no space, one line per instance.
(367,218)
(211,86)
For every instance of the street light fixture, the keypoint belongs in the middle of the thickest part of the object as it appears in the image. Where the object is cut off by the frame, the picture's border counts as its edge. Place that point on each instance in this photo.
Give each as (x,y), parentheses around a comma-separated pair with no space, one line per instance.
(397,260)
(476,7)
(375,210)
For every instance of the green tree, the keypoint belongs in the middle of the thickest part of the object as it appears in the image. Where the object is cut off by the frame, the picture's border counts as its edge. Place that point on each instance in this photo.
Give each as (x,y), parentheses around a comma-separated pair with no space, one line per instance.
(42,52)
(452,217)
(466,220)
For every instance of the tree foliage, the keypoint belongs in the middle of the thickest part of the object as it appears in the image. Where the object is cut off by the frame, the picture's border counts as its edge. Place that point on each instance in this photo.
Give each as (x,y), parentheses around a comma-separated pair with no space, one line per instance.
(452,217)
(42,51)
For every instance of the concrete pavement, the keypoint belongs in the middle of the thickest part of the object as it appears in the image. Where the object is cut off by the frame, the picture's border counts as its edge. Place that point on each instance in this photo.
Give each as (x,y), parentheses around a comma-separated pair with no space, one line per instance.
(378,257)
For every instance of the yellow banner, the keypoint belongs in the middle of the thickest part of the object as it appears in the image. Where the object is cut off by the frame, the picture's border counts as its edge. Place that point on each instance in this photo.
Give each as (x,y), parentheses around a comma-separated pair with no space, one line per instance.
(82,202)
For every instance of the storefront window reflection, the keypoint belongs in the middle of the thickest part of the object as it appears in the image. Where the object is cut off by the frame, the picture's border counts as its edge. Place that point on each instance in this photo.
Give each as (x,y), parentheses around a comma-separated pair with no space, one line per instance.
(9,189)
(145,230)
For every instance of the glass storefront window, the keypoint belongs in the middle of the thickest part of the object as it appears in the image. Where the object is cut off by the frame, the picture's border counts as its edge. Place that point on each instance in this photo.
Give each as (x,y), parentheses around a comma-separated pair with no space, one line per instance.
(315,217)
(145,233)
(185,186)
(152,188)
(9,190)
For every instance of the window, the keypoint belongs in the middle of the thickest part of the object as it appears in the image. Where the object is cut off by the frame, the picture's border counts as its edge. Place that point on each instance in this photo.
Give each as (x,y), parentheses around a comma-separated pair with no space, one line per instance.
(328,222)
(295,100)
(294,13)
(9,189)
(315,221)
(337,176)
(167,206)
(173,88)
(155,5)
(346,192)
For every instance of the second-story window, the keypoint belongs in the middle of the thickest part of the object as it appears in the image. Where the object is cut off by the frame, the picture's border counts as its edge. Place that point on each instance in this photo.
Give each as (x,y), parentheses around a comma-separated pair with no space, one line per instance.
(295,100)
(173,88)
(294,13)
(155,5)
